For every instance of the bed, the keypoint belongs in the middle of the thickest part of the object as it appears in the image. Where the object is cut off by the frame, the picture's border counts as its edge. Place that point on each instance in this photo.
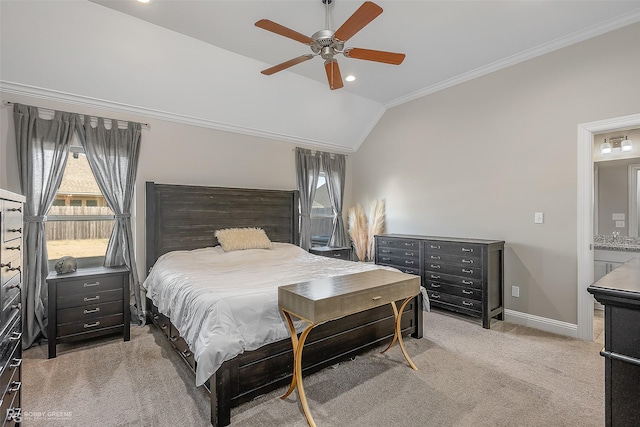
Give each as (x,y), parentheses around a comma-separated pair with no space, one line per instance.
(181,222)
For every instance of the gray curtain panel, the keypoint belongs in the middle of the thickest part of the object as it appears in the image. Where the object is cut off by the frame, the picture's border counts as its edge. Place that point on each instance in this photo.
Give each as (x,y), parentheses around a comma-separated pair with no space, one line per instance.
(43,146)
(113,156)
(334,169)
(307,172)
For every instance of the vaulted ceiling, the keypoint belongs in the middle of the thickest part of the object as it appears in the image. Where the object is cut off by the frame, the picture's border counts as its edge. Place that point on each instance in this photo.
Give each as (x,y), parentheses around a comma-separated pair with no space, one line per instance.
(205,57)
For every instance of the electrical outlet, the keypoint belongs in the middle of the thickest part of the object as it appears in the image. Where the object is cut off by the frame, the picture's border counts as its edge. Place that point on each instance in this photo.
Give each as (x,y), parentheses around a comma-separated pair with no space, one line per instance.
(515,291)
(619,224)
(538,217)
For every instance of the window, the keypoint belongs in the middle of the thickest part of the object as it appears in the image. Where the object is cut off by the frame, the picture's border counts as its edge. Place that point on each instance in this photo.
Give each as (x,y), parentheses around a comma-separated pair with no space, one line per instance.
(79,223)
(321,214)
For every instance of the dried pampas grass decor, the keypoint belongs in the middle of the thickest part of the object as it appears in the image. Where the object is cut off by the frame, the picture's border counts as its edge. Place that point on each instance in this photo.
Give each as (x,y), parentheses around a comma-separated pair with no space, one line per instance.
(358,231)
(376,225)
(362,231)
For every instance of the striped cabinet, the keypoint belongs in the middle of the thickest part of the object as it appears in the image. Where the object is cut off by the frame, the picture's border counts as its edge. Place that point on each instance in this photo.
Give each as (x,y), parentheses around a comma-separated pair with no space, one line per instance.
(461,275)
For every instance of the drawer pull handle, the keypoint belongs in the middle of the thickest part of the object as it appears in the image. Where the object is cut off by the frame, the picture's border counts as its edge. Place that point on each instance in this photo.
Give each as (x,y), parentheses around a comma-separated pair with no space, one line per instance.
(434,285)
(409,254)
(156,317)
(408,244)
(337,255)
(435,257)
(435,296)
(88,285)
(408,271)
(467,261)
(376,298)
(435,266)
(386,251)
(16,363)
(467,250)
(186,353)
(435,246)
(15,230)
(468,304)
(467,282)
(17,285)
(96,298)
(467,292)
(406,261)
(386,259)
(13,268)
(92,325)
(95,310)
(435,276)
(13,248)
(14,386)
(163,326)
(17,306)
(173,339)
(467,271)
(15,209)
(15,336)
(6,265)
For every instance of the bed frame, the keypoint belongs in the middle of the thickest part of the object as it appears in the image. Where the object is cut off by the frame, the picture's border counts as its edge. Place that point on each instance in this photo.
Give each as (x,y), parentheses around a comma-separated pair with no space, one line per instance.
(183,217)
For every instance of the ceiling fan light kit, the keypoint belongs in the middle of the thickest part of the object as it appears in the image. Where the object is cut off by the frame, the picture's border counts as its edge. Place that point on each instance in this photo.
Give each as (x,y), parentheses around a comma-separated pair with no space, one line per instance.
(328,43)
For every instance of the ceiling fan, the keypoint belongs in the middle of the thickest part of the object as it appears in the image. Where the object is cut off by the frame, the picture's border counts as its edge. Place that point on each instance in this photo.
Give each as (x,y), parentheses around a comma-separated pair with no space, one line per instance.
(328,43)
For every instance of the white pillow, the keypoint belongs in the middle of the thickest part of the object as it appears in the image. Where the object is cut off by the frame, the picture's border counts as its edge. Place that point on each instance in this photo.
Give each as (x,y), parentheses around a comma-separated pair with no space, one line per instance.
(232,239)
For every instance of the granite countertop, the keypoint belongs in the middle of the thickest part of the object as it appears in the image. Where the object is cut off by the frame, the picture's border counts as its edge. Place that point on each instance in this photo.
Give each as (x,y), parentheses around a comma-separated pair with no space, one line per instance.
(617,243)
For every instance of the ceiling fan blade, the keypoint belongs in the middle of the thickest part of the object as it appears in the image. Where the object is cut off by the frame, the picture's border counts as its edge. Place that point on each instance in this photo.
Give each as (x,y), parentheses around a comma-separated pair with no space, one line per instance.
(375,55)
(333,74)
(265,24)
(286,64)
(360,18)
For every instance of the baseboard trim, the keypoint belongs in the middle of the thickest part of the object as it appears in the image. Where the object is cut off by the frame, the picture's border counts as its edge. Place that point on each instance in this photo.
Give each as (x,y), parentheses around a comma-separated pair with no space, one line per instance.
(542,323)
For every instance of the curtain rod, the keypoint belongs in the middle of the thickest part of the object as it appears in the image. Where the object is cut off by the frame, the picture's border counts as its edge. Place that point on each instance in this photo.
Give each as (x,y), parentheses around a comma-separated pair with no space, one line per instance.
(144,125)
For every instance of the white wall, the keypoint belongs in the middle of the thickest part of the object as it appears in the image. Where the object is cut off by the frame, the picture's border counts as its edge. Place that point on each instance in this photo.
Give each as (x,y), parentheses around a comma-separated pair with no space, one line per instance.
(477,160)
(175,153)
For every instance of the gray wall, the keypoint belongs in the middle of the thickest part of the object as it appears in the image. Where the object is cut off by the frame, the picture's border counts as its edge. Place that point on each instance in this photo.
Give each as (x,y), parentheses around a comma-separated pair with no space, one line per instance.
(177,154)
(478,159)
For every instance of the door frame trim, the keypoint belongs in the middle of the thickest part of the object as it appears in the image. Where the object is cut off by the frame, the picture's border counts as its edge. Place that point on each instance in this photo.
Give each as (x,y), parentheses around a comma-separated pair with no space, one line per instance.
(586,131)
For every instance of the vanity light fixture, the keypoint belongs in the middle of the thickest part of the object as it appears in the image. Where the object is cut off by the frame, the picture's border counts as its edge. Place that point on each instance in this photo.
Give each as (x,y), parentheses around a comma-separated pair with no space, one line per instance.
(605,147)
(626,144)
(616,145)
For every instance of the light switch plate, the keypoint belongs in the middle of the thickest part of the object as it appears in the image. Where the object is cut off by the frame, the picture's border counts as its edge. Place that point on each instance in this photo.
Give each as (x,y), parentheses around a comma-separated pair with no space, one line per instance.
(617,216)
(538,218)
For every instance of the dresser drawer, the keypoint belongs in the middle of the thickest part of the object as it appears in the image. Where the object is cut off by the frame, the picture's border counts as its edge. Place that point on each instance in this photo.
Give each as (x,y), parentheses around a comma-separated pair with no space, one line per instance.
(454,259)
(467,250)
(11,288)
(10,306)
(464,292)
(399,252)
(11,266)
(89,312)
(11,221)
(398,243)
(11,369)
(181,345)
(10,249)
(89,285)
(10,409)
(10,339)
(89,298)
(399,262)
(161,321)
(457,270)
(467,282)
(467,304)
(97,324)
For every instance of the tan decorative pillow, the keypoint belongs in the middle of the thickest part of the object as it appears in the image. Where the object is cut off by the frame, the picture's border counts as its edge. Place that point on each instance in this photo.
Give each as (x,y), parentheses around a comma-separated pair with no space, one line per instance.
(233,239)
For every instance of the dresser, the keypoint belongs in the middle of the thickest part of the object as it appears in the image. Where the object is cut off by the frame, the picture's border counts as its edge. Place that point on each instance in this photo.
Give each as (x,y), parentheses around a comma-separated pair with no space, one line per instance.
(87,303)
(619,292)
(11,215)
(461,275)
(332,252)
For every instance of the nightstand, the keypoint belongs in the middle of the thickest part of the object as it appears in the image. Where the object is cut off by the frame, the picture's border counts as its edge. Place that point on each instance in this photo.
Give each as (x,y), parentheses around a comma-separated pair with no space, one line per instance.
(88,303)
(330,252)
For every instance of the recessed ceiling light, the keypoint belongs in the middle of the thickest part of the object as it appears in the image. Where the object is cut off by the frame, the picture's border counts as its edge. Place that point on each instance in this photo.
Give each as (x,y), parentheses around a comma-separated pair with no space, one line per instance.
(350,78)
(144,1)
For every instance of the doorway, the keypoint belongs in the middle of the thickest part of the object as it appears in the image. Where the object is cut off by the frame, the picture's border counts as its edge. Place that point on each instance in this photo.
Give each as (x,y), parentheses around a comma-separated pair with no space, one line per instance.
(586,132)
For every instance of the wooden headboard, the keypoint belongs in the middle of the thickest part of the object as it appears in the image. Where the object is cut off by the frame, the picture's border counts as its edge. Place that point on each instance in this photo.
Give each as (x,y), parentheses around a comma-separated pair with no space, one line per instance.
(185,217)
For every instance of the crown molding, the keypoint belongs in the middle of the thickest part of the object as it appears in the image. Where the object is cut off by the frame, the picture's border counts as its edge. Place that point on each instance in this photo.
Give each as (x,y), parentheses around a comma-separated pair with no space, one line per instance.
(576,37)
(86,101)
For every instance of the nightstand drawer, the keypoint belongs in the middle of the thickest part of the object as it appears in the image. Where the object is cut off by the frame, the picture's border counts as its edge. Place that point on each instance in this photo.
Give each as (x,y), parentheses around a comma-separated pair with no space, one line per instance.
(89,285)
(90,298)
(91,325)
(330,252)
(89,312)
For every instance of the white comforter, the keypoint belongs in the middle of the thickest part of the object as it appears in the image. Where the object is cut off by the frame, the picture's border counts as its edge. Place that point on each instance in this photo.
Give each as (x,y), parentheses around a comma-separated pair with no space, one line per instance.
(224,303)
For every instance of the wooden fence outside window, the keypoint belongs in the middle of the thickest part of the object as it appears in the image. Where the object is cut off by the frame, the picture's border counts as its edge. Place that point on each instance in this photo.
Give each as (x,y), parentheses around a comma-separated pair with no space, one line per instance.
(79,222)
